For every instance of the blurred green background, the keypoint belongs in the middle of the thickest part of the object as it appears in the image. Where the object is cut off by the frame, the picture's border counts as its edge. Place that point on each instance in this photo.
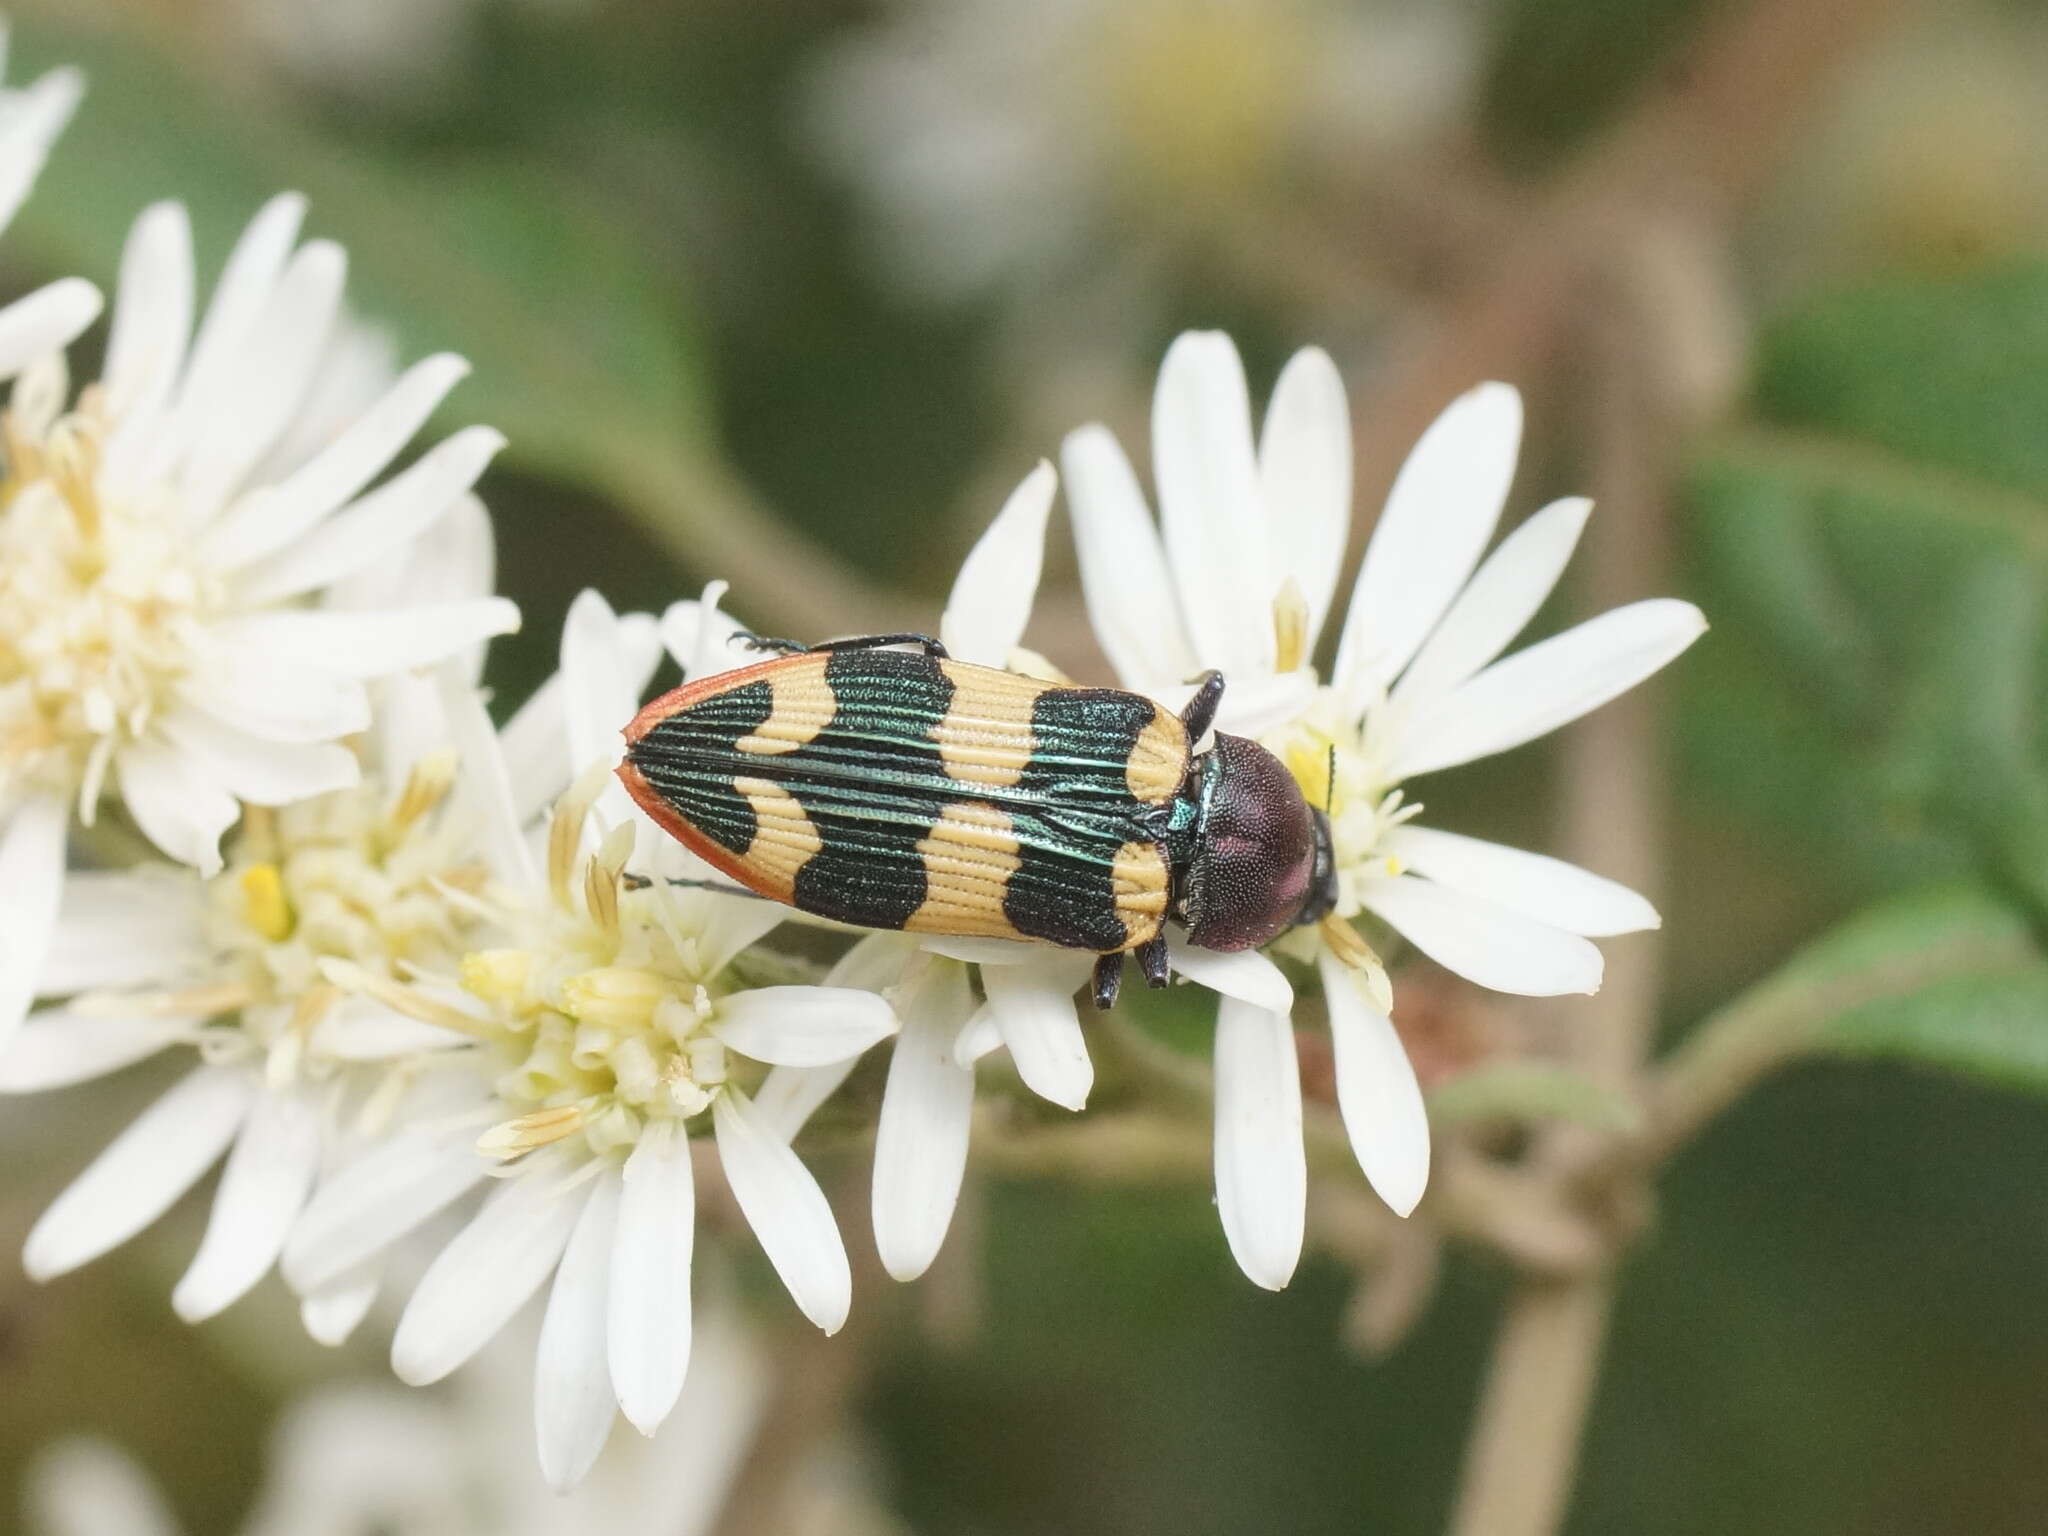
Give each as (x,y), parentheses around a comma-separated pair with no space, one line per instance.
(721,300)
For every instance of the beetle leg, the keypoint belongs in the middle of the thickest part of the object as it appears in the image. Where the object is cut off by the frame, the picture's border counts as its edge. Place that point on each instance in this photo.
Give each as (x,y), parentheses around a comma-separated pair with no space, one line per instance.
(1200,711)
(754,642)
(1109,975)
(1152,960)
(926,643)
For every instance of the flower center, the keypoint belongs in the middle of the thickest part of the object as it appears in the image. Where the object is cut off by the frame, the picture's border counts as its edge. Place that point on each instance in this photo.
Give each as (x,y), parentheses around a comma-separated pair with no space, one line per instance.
(355,876)
(99,601)
(1336,761)
(602,1007)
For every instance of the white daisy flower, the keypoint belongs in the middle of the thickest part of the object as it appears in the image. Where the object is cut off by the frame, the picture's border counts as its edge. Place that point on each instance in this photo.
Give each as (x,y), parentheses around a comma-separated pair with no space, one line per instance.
(157,639)
(1239,575)
(614,1019)
(289,1073)
(31,117)
(377,1461)
(1003,142)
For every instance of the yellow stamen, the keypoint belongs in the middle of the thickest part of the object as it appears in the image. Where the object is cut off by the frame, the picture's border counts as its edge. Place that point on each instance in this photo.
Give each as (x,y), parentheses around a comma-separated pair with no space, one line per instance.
(539,1128)
(264,906)
(1349,946)
(1290,627)
(565,831)
(497,975)
(614,995)
(426,787)
(601,878)
(351,977)
(194,1002)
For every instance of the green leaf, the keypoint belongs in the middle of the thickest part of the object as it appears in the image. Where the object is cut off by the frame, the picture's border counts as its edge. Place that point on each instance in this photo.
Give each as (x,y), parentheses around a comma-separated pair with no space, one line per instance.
(1944,373)
(1941,929)
(583,356)
(1991,1027)
(1879,533)
(1530,1092)
(1882,980)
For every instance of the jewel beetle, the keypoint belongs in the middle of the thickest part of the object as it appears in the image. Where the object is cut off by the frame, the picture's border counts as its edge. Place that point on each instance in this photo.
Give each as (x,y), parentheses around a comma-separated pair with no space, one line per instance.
(887,787)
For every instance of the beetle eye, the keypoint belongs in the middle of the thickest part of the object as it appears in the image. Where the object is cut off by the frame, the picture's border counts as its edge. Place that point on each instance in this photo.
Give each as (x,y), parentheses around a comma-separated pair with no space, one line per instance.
(1260,854)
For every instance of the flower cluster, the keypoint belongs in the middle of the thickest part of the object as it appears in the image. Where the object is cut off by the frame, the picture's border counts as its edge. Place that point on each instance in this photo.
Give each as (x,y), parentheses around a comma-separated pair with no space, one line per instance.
(426,976)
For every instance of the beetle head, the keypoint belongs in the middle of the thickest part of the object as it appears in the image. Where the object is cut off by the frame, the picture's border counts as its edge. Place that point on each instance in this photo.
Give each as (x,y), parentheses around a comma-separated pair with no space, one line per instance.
(1262,860)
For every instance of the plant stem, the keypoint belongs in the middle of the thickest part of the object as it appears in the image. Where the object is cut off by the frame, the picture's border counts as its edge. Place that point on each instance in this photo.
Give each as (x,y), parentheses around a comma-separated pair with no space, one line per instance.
(1525,1441)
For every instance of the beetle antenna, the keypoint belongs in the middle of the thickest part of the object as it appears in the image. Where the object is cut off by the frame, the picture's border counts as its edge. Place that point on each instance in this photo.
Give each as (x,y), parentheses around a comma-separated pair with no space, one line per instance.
(1330,780)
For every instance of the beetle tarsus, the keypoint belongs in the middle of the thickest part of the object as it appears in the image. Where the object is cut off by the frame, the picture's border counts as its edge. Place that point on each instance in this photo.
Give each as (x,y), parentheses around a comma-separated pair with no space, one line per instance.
(1200,711)
(1152,960)
(1109,975)
(754,642)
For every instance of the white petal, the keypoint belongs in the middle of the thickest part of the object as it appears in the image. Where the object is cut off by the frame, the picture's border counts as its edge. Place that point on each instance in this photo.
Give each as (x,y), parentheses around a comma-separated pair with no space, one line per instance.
(46,321)
(1497,603)
(1261,1169)
(359,1029)
(921,1137)
(1376,1090)
(1253,704)
(573,1405)
(789,1096)
(262,1189)
(457,557)
(126,928)
(1209,503)
(279,701)
(31,894)
(786,1209)
(1131,603)
(273,517)
(802,1026)
(152,312)
(378,526)
(649,1320)
(991,600)
(246,286)
(484,1275)
(716,645)
(598,700)
(36,116)
(56,1048)
(370,1203)
(978,1037)
(235,419)
(410,722)
(1439,516)
(332,1315)
(486,784)
(979,951)
(1244,974)
(258,771)
(1485,942)
(1305,478)
(1033,1008)
(177,807)
(81,1487)
(371,644)
(1553,892)
(875,963)
(161,1154)
(1551,683)
(532,746)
